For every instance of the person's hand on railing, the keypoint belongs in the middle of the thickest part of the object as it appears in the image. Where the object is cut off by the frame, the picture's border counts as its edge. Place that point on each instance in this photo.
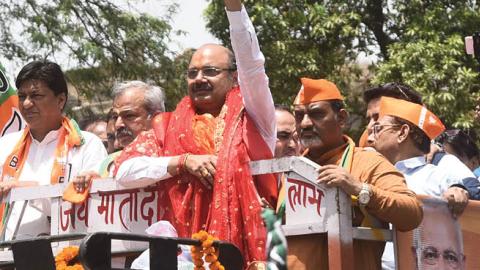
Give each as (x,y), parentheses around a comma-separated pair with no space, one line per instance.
(336,176)
(6,186)
(457,199)
(83,180)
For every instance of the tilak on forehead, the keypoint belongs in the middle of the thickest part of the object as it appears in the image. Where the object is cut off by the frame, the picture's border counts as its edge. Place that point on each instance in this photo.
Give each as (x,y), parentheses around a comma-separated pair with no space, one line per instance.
(317,90)
(414,113)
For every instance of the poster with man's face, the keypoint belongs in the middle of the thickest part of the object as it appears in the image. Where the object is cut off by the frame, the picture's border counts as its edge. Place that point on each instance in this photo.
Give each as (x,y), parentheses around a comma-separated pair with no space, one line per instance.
(442,242)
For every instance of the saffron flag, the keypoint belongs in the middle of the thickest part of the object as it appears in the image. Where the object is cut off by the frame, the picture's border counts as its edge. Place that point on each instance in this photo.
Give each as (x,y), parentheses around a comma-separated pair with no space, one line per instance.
(10,117)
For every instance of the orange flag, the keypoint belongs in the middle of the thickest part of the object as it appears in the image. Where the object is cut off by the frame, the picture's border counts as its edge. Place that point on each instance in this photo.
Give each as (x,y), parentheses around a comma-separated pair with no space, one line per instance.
(10,117)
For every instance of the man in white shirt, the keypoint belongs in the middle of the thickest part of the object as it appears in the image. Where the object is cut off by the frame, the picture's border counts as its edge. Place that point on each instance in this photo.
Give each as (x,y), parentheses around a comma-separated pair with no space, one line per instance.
(51,149)
(402,134)
(396,90)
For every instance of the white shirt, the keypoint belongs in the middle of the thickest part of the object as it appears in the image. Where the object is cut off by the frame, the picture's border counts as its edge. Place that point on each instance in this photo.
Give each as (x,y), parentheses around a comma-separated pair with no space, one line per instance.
(257,99)
(38,167)
(461,172)
(252,79)
(425,179)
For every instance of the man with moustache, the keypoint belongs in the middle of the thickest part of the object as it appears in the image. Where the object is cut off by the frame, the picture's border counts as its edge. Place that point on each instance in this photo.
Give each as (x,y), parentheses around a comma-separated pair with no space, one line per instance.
(379,188)
(135,103)
(50,150)
(227,116)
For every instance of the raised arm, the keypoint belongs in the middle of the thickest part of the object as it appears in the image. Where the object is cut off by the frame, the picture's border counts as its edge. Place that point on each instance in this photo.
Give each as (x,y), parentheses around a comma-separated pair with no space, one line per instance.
(252,79)
(233,5)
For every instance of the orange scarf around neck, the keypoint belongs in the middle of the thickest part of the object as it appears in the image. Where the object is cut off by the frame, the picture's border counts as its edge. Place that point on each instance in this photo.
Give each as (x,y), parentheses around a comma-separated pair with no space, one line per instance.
(68,138)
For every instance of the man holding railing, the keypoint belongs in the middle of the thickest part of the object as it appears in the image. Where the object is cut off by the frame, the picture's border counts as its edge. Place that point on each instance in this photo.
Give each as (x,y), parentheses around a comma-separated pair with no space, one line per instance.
(199,154)
(377,187)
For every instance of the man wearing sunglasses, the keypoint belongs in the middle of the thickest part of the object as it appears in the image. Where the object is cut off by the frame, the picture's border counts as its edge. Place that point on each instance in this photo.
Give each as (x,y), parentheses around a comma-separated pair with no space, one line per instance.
(379,187)
(402,134)
(199,154)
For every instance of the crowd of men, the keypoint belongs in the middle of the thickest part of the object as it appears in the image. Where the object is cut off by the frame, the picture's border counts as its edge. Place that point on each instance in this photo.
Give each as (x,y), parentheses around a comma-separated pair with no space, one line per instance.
(199,153)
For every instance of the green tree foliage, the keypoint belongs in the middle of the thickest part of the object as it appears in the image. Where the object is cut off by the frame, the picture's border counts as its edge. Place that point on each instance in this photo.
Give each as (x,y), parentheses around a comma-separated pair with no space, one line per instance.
(298,38)
(429,55)
(105,42)
(417,42)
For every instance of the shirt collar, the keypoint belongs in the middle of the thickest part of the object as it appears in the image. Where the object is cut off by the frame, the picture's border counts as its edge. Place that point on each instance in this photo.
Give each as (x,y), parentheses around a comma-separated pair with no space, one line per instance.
(334,156)
(410,163)
(52,135)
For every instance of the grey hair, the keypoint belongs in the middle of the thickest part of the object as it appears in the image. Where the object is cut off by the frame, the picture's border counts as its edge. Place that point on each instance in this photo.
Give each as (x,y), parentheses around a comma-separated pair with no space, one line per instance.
(154,97)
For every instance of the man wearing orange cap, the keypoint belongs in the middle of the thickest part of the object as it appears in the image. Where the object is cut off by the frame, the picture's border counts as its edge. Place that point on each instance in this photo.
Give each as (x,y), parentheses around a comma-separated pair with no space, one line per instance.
(436,156)
(381,189)
(402,134)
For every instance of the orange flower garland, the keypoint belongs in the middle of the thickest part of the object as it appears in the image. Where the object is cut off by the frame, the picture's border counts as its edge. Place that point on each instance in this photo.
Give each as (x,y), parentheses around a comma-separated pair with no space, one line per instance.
(208,250)
(64,257)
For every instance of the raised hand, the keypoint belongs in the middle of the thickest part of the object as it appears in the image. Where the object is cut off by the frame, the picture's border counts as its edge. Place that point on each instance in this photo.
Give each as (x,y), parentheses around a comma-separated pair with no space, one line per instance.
(233,5)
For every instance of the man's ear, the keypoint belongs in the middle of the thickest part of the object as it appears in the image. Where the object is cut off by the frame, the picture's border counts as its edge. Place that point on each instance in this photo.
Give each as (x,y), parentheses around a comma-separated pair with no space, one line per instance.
(62,101)
(403,135)
(235,78)
(342,117)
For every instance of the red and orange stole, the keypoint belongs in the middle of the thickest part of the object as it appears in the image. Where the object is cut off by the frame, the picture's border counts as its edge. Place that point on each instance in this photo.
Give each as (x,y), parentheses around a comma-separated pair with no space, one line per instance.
(232,210)
(69,137)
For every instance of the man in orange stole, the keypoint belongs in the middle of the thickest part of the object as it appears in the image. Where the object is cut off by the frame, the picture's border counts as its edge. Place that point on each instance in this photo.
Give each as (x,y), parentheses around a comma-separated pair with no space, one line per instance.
(379,188)
(199,154)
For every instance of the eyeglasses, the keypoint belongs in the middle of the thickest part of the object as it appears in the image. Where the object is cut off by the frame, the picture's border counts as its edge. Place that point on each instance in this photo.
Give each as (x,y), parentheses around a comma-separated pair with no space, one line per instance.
(287,136)
(377,128)
(431,256)
(192,73)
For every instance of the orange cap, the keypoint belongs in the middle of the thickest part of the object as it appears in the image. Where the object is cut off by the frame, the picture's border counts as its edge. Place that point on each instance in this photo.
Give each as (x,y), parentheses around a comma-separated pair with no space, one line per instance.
(317,90)
(414,113)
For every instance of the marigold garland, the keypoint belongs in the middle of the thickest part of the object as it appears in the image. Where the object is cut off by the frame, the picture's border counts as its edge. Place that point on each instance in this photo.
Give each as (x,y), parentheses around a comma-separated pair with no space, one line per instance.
(208,250)
(64,257)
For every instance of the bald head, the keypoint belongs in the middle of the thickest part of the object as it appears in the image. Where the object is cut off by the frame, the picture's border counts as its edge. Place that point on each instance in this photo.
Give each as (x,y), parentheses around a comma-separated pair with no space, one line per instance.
(219,50)
(211,74)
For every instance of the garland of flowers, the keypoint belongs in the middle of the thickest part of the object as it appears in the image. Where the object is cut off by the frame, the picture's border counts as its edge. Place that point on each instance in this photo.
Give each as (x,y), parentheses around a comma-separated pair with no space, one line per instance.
(206,249)
(67,255)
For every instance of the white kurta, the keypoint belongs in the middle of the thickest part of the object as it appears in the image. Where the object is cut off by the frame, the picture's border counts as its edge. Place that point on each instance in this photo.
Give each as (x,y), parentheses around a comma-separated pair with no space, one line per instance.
(38,167)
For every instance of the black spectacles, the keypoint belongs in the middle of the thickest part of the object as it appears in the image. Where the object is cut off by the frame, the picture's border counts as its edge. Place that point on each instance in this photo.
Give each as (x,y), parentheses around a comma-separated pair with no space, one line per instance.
(192,73)
(377,128)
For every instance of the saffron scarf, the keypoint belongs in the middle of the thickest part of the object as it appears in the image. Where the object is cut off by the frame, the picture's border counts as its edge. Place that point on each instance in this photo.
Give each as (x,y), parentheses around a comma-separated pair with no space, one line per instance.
(368,220)
(69,137)
(232,210)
